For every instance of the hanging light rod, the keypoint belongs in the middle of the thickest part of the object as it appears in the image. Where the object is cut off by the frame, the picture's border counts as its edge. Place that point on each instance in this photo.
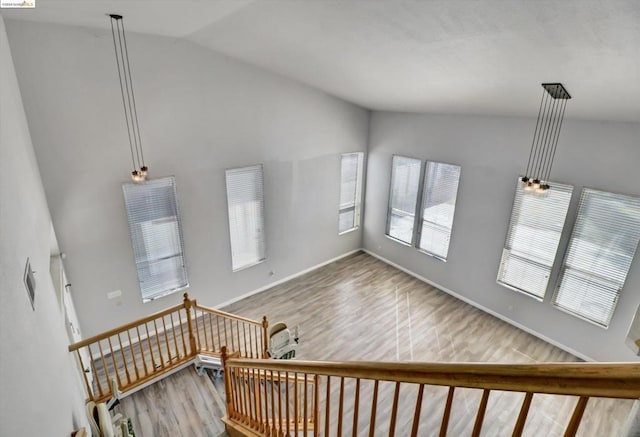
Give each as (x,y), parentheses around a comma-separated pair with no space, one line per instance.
(545,137)
(140,170)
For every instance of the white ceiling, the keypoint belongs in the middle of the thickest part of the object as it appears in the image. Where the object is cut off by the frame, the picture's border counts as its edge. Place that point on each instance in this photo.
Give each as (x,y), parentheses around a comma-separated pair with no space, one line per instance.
(456,56)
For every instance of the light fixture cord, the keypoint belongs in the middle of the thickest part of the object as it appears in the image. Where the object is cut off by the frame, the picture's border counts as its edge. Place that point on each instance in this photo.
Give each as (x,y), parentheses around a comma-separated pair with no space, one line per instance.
(547,139)
(534,134)
(133,97)
(126,117)
(555,141)
(551,136)
(538,151)
(127,80)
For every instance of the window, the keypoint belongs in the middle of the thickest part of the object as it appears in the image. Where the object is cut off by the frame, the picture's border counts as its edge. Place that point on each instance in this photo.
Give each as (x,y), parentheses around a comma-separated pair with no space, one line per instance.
(438,205)
(350,192)
(602,245)
(405,182)
(156,235)
(534,232)
(245,200)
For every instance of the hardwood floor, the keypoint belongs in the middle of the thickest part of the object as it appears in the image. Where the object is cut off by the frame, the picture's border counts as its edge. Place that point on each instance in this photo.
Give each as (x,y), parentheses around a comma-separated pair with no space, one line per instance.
(360,308)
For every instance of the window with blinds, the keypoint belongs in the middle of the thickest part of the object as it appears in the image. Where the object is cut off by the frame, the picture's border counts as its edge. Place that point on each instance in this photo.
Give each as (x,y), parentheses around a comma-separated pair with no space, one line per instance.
(350,191)
(602,246)
(156,234)
(245,201)
(438,205)
(403,197)
(532,240)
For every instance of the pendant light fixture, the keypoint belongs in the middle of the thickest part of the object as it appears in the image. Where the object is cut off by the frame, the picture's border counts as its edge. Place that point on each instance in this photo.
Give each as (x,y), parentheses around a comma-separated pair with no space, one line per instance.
(545,138)
(140,170)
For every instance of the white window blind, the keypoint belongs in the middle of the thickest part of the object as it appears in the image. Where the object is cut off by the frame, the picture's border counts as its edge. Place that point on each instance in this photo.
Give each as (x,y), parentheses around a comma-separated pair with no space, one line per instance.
(156,235)
(403,196)
(602,246)
(245,200)
(438,205)
(532,241)
(350,191)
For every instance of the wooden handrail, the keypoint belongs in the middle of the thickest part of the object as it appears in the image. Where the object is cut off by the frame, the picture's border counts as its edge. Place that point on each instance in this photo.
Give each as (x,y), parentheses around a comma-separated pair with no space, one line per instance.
(615,380)
(123,328)
(227,315)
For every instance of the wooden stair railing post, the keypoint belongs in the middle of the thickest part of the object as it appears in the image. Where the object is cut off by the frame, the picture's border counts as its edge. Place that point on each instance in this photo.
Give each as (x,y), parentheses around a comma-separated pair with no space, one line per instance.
(227,381)
(265,337)
(192,339)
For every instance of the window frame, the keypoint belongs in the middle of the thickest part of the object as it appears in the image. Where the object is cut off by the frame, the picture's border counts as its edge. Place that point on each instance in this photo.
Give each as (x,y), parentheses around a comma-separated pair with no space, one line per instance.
(563,267)
(148,297)
(556,255)
(264,218)
(357,203)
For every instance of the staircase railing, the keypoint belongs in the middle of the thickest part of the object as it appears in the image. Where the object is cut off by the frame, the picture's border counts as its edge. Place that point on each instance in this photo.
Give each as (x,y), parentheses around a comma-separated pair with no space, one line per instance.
(376,398)
(139,352)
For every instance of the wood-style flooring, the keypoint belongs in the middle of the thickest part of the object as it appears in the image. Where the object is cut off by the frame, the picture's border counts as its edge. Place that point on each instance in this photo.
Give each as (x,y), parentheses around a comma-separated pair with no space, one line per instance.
(360,308)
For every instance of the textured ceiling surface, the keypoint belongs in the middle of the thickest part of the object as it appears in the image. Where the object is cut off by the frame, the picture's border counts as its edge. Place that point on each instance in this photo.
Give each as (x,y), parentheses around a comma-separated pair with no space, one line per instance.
(457,56)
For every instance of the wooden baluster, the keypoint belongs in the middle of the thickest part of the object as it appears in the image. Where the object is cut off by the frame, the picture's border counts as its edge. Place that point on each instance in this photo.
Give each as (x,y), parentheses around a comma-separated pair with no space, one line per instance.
(226,335)
(233,346)
(246,394)
(416,414)
(234,391)
(238,339)
(340,406)
(286,375)
(252,420)
(481,411)
(262,414)
(254,398)
(374,406)
(273,406)
(153,358)
(184,343)
(195,348)
(305,420)
(84,374)
(176,349)
(295,403)
(576,417)
(447,413)
(279,402)
(316,406)
(157,335)
(265,337)
(394,411)
(140,344)
(133,356)
(166,340)
(522,417)
(95,371)
(124,361)
(218,326)
(213,341)
(356,406)
(115,366)
(250,342)
(327,414)
(204,329)
(238,392)
(244,335)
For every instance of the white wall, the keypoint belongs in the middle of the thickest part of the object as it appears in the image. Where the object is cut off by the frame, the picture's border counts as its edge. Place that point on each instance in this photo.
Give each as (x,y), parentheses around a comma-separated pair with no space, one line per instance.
(41,389)
(200,113)
(493,152)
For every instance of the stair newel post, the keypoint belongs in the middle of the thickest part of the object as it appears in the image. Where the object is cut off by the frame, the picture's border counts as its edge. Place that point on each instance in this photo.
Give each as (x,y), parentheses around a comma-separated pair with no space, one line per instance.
(192,339)
(227,381)
(265,337)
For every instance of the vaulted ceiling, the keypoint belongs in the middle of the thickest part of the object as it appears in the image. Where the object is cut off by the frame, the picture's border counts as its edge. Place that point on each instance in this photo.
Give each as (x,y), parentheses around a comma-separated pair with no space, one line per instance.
(456,56)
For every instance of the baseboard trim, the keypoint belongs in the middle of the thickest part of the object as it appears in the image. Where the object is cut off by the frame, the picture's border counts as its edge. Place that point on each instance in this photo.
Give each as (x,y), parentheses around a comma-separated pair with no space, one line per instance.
(481,307)
(285,279)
